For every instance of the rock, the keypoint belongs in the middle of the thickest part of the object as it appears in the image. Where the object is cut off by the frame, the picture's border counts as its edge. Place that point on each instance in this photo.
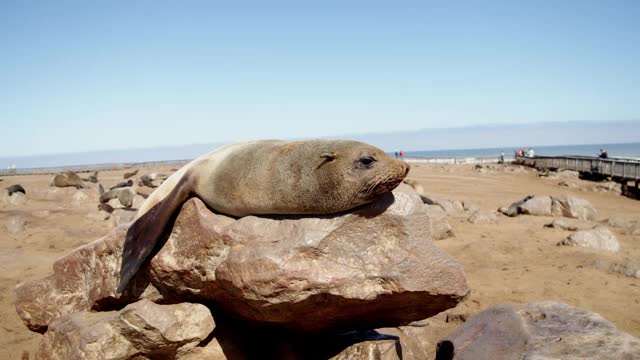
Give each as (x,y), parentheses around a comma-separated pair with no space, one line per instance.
(572,207)
(98,216)
(440,227)
(211,351)
(373,266)
(537,205)
(121,217)
(18,199)
(138,200)
(608,186)
(140,330)
(567,174)
(625,268)
(598,238)
(451,206)
(371,350)
(625,227)
(564,205)
(16,224)
(542,330)
(570,185)
(563,224)
(470,206)
(79,197)
(482,217)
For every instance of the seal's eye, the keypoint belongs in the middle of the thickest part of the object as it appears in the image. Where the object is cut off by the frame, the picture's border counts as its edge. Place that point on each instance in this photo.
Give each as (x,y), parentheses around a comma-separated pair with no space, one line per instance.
(367,160)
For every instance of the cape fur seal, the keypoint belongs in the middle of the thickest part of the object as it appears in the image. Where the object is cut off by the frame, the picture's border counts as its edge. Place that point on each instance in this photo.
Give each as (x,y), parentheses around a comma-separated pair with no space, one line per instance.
(68,178)
(16,188)
(122,184)
(93,178)
(265,178)
(130,174)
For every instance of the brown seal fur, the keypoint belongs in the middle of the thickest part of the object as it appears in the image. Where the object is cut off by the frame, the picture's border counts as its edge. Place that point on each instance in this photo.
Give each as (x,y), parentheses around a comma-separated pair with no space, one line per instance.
(130,174)
(265,177)
(68,178)
(16,188)
(124,194)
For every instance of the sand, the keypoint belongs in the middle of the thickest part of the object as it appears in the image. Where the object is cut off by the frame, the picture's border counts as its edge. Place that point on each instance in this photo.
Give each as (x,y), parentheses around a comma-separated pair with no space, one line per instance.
(513,260)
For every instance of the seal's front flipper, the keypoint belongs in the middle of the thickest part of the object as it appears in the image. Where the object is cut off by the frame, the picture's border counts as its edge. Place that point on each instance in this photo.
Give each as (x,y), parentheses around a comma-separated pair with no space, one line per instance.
(143,235)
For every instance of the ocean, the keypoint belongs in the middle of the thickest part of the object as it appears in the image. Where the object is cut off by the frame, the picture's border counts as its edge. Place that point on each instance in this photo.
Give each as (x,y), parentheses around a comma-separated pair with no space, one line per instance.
(627,150)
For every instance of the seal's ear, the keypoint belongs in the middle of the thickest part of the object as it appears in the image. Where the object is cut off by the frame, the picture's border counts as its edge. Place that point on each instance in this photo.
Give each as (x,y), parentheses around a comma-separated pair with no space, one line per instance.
(144,234)
(327,157)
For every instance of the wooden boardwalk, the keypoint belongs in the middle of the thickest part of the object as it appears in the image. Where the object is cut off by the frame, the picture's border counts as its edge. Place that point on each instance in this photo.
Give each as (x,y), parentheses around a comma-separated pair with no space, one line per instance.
(620,170)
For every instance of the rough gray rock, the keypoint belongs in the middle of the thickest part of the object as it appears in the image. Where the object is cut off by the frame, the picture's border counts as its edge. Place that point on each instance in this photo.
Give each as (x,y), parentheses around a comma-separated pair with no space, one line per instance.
(566,224)
(482,217)
(451,206)
(626,268)
(537,205)
(440,227)
(542,330)
(373,266)
(599,237)
(140,330)
(563,205)
(624,226)
(121,217)
(572,207)
(371,350)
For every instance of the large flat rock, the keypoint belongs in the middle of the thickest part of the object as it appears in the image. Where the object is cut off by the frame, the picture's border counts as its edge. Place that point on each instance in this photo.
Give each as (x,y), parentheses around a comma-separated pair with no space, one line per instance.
(370,267)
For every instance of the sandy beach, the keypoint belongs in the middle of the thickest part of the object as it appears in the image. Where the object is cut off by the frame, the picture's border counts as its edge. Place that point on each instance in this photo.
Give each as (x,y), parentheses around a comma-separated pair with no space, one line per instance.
(512,260)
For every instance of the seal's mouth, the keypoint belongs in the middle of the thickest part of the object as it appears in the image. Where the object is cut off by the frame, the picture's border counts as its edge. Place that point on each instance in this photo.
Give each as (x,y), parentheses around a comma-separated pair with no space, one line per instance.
(387,182)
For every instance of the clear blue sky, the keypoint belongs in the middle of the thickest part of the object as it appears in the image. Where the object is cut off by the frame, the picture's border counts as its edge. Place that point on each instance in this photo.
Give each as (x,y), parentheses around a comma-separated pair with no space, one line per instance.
(89,75)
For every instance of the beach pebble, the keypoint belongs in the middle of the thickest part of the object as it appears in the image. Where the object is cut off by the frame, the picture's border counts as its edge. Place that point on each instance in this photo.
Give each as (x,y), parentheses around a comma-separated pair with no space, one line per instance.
(598,238)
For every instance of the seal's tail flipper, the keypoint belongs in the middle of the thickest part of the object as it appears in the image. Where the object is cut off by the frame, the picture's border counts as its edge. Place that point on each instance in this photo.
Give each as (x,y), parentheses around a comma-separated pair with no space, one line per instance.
(143,235)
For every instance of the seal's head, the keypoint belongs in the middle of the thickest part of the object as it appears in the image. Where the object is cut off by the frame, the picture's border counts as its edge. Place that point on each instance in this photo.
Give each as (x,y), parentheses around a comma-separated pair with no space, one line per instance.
(358,173)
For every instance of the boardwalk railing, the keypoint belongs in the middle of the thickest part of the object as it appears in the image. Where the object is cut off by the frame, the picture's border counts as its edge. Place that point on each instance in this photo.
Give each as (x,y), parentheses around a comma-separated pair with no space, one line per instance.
(623,169)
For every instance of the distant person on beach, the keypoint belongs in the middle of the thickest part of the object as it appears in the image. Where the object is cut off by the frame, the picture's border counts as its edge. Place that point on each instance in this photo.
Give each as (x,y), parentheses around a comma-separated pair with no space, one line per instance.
(531,153)
(401,155)
(518,153)
(396,154)
(603,154)
(501,159)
